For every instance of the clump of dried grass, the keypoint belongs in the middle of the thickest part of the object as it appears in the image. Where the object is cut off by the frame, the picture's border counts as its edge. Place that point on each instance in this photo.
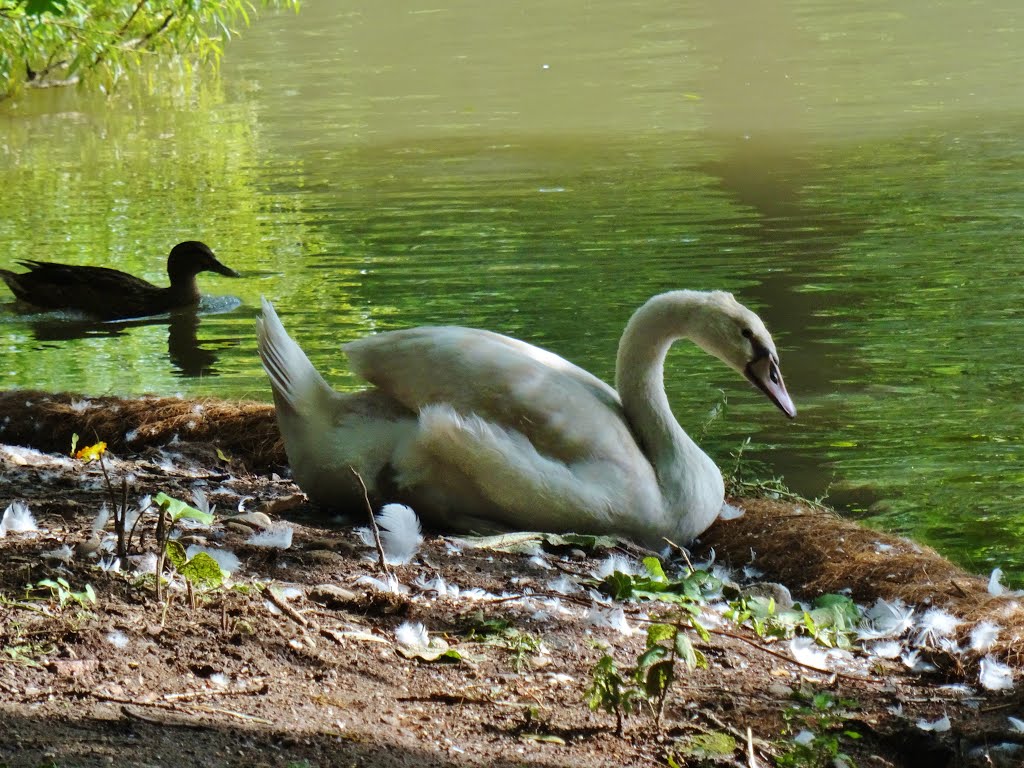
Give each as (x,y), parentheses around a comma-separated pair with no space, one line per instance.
(814,551)
(246,430)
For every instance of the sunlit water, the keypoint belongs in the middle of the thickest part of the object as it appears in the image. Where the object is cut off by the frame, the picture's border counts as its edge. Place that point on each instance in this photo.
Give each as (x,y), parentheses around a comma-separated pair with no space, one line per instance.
(852,172)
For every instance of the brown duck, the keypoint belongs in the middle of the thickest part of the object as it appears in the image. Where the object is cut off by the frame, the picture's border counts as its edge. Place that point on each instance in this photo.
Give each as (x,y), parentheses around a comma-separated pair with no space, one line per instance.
(109,294)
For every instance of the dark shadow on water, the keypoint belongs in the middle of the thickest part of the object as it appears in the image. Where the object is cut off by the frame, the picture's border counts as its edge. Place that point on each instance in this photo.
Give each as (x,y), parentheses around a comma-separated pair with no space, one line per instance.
(189,356)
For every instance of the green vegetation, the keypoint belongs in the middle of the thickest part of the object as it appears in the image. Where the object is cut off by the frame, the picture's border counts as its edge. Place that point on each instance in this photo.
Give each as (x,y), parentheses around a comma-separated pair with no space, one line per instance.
(59,42)
(817,726)
(831,621)
(60,590)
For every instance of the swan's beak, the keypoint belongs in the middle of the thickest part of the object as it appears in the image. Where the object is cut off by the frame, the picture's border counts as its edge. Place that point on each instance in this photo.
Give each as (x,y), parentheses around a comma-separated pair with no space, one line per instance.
(764,374)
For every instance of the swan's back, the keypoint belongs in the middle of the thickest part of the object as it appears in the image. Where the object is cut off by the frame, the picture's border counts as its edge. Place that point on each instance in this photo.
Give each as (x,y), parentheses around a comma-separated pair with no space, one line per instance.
(566,412)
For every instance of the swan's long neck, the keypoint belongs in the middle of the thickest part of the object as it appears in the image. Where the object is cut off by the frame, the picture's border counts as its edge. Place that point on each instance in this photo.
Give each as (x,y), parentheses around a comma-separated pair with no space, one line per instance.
(689,480)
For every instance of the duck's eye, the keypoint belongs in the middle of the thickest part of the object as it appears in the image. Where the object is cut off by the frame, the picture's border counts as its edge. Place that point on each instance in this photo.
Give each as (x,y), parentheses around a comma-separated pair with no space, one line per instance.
(747,333)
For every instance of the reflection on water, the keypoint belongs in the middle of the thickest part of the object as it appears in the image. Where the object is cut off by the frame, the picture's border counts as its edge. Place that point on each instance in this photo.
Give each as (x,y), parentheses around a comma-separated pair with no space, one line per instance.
(852,172)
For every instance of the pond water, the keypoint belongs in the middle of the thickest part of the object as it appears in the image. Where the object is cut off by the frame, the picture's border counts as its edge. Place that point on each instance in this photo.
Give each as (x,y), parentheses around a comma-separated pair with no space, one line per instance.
(850,171)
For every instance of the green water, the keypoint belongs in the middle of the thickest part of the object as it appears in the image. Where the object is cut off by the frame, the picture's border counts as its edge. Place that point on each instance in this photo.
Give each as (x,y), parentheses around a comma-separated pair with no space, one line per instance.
(851,171)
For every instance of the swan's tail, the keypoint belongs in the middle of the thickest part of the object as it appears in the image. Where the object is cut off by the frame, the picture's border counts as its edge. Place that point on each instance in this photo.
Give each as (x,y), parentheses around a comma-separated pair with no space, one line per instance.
(296,383)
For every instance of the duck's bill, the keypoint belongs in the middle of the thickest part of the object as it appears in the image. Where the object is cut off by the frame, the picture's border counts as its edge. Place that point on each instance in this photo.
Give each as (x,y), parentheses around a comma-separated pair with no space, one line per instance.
(220,269)
(764,374)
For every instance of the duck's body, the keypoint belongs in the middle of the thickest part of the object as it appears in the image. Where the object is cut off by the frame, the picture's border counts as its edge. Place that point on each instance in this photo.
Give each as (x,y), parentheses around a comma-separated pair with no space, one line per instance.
(109,294)
(478,431)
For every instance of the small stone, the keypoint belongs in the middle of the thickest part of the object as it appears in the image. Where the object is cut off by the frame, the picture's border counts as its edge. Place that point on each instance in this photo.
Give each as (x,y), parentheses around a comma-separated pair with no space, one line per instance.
(332,595)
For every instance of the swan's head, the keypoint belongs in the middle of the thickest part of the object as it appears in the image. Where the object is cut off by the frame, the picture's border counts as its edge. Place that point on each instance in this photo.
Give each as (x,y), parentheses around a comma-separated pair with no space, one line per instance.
(737,337)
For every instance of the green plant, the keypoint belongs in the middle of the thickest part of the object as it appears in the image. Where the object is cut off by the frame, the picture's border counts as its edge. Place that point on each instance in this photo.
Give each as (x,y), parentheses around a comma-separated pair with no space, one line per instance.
(831,621)
(611,692)
(521,645)
(816,728)
(170,512)
(656,668)
(60,589)
(751,478)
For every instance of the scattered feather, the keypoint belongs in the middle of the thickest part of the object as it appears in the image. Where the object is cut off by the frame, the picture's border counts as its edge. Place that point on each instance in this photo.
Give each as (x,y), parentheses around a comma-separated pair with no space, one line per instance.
(613,564)
(983,636)
(219,680)
(102,517)
(912,660)
(935,726)
(202,503)
(1017,725)
(729,512)
(110,564)
(887,649)
(278,536)
(750,573)
(144,563)
(412,635)
(540,562)
(613,619)
(994,675)
(994,587)
(117,639)
(17,519)
(390,584)
(400,533)
(64,553)
(804,738)
(563,585)
(957,689)
(934,625)
(881,547)
(805,651)
(885,619)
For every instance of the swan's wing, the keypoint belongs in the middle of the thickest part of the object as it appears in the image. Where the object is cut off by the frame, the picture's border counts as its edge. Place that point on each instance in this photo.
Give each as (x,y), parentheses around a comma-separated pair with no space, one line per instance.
(564,411)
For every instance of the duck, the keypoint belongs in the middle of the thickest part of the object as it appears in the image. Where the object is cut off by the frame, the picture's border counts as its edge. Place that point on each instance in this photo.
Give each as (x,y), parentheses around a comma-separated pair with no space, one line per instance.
(109,294)
(480,432)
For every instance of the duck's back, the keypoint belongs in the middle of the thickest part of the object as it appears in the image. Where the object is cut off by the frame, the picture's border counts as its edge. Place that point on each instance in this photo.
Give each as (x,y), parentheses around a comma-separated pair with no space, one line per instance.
(100,291)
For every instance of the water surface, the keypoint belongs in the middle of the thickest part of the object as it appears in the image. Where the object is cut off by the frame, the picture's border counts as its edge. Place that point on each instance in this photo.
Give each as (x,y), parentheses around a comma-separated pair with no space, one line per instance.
(850,171)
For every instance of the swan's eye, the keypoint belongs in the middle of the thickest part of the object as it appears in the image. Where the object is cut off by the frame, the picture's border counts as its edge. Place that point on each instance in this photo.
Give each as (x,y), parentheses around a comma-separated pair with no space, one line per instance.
(747,333)
(773,374)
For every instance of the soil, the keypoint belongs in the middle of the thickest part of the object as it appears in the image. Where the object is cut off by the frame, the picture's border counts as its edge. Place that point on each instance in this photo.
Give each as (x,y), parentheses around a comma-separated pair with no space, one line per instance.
(295,661)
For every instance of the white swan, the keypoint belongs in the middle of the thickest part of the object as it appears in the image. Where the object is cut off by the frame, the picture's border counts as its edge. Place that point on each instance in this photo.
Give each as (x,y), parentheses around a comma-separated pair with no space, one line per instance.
(478,431)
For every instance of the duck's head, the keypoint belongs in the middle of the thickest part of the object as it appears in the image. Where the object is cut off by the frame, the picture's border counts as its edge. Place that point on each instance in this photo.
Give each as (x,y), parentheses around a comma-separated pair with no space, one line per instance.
(190,258)
(738,338)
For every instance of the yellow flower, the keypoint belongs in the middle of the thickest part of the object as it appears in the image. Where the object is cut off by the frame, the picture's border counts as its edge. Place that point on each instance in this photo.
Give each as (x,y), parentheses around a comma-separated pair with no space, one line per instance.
(91,452)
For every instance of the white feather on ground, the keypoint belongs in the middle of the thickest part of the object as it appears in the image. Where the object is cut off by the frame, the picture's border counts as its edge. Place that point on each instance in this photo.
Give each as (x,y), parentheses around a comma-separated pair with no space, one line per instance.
(994,675)
(400,533)
(278,536)
(936,625)
(100,521)
(983,636)
(17,519)
(806,652)
(994,587)
(885,619)
(412,635)
(937,726)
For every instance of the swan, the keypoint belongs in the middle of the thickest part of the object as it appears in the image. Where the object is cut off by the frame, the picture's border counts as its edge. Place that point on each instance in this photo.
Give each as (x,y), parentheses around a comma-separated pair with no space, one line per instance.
(482,432)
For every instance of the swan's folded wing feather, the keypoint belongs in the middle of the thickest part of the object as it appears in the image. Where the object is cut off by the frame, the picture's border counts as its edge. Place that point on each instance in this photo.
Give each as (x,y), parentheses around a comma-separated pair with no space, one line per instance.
(563,410)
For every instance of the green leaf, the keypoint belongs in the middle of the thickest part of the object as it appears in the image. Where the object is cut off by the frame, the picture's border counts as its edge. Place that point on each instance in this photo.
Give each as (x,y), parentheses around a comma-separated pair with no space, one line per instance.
(659,632)
(659,677)
(176,554)
(650,656)
(686,652)
(202,570)
(654,569)
(39,7)
(179,509)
